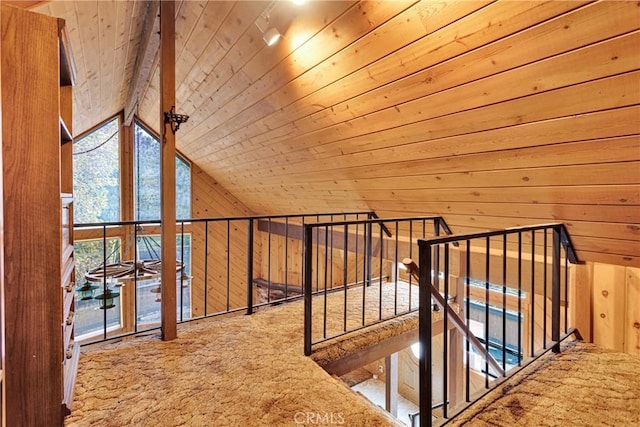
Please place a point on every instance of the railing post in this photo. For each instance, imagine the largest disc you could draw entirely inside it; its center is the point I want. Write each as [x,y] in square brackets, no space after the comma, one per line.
[368,231]
[250,267]
[555,290]
[307,291]
[424,334]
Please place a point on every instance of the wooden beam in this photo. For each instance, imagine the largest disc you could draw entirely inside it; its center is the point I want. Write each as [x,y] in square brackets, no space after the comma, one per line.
[391,384]
[168,169]
[361,358]
[145,58]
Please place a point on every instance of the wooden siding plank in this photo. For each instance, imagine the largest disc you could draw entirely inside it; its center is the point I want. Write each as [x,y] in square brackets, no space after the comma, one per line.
[632,312]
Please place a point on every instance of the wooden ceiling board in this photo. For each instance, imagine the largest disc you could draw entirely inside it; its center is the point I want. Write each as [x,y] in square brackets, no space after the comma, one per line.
[436,103]
[621,91]
[104,38]
[426,52]
[491,113]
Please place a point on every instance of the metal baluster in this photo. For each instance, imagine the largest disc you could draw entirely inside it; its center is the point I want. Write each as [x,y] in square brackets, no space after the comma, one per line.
[504,303]
[533,291]
[380,274]
[486,308]
[308,288]
[411,256]
[135,279]
[228,264]
[395,268]
[286,257]
[250,267]
[326,266]
[183,272]
[467,283]
[544,291]
[345,276]
[425,336]
[268,261]
[206,265]
[555,291]
[445,331]
[520,344]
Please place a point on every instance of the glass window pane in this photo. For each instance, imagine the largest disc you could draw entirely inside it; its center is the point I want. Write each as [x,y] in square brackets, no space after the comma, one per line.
[96,175]
[90,318]
[148,296]
[147,179]
[146,172]
[183,189]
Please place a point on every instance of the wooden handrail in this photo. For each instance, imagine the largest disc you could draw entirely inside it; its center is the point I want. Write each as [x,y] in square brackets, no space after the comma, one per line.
[414,270]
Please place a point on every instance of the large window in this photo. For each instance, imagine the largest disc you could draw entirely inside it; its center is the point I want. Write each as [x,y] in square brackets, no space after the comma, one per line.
[147,178]
[96,175]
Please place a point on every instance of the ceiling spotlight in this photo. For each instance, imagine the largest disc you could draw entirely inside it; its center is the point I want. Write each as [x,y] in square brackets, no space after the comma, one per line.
[298,2]
[271,36]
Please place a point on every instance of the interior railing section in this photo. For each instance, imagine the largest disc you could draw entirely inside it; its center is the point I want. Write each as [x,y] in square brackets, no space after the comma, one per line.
[511,288]
[354,277]
[231,265]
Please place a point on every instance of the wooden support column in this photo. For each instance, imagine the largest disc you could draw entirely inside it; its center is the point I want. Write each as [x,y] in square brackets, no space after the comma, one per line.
[168,169]
[391,384]
[581,299]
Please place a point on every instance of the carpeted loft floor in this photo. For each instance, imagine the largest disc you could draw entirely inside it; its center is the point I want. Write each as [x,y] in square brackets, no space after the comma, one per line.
[584,385]
[237,371]
[251,371]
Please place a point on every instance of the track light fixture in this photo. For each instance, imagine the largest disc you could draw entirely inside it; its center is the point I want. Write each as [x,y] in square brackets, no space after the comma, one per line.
[270,34]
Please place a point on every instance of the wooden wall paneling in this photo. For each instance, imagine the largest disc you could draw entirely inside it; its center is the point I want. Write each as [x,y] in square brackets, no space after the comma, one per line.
[621,89]
[483,92]
[632,312]
[200,50]
[414,57]
[89,30]
[122,65]
[490,60]
[33,350]
[580,299]
[107,36]
[622,172]
[403,28]
[388,161]
[236,22]
[348,27]
[548,213]
[609,305]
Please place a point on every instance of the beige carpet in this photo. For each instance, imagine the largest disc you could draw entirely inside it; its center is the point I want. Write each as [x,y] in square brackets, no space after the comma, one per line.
[239,371]
[584,385]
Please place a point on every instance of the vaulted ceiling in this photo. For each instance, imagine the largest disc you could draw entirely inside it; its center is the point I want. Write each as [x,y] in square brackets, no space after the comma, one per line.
[490,113]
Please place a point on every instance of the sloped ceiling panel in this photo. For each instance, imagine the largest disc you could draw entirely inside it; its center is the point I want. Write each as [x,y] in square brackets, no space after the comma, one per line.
[490,113]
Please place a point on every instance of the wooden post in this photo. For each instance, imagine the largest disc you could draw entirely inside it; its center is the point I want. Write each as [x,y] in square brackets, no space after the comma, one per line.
[581,299]
[391,384]
[168,169]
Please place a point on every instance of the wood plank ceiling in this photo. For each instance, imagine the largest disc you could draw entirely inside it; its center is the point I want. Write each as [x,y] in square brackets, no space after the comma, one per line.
[490,113]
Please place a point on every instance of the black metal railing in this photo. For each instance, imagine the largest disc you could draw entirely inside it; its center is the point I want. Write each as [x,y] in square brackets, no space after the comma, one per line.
[356,268]
[509,289]
[230,265]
